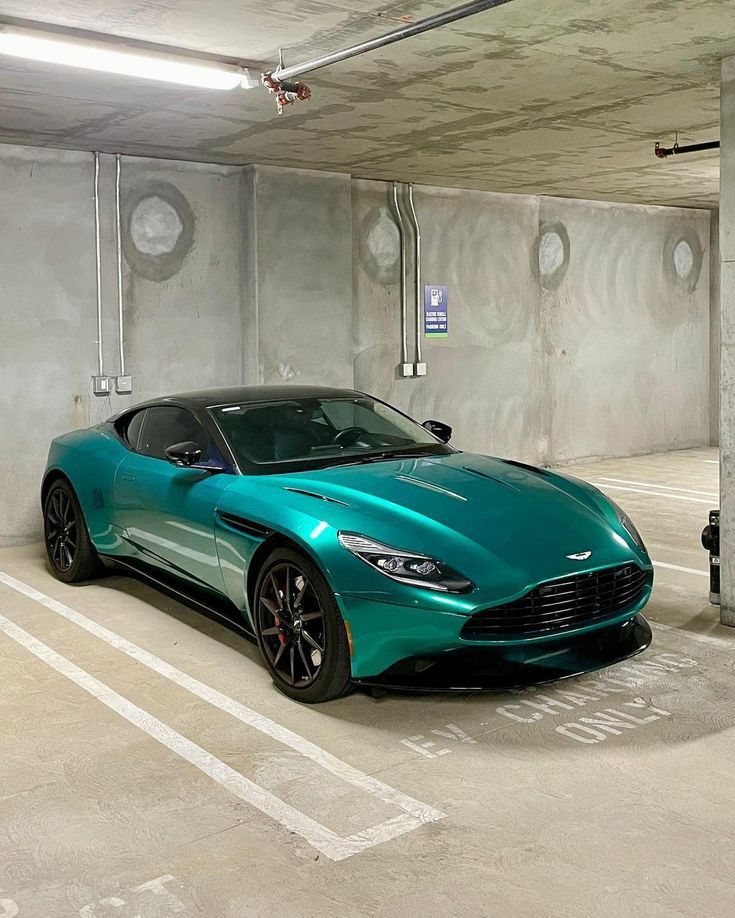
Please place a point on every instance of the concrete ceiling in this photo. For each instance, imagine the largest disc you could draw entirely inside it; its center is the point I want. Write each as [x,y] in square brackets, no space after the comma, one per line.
[560,97]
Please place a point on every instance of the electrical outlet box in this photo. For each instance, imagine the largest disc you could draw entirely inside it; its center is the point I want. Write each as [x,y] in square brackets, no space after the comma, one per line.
[405,369]
[124,385]
[101,385]
[420,369]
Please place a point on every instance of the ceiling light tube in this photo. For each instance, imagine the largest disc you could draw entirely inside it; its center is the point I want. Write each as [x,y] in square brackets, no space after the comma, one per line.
[123,60]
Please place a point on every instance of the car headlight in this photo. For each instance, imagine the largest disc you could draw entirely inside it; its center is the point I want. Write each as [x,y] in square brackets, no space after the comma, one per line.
[406,566]
[628,525]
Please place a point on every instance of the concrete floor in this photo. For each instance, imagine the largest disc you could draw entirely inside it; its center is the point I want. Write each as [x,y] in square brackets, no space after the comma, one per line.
[143,792]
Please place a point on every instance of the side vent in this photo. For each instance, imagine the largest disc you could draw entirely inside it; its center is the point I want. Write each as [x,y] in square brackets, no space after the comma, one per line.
[256,530]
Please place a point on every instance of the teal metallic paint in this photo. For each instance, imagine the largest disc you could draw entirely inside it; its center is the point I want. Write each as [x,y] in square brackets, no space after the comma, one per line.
[505,527]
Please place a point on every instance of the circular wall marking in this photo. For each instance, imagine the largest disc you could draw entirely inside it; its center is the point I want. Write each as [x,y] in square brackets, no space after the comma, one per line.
[683,259]
[550,253]
[380,245]
[383,241]
[155,226]
[158,230]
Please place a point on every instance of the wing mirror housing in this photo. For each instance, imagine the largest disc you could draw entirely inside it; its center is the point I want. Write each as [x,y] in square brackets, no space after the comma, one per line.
[187,453]
[442,432]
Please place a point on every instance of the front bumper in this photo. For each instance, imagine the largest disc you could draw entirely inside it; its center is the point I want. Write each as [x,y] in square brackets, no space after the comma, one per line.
[387,640]
[501,667]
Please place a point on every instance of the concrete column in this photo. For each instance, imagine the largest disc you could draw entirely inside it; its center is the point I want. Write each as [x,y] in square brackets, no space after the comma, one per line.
[727,352]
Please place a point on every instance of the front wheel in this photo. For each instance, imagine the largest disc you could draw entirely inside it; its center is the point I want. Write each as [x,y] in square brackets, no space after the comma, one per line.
[68,546]
[300,630]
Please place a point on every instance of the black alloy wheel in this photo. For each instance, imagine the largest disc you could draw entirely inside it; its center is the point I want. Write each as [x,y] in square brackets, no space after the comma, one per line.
[300,630]
[68,546]
[61,530]
[292,625]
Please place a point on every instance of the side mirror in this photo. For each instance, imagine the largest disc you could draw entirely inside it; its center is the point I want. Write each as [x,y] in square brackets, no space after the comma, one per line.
[441,431]
[187,453]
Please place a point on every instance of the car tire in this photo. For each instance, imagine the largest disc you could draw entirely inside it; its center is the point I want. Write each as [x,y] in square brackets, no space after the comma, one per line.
[300,630]
[69,549]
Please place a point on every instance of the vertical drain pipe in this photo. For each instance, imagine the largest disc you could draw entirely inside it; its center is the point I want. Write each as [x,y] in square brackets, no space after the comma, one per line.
[100,382]
[123,383]
[405,368]
[420,366]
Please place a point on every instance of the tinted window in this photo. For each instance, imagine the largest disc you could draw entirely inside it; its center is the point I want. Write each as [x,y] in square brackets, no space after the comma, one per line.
[166,425]
[312,431]
[131,428]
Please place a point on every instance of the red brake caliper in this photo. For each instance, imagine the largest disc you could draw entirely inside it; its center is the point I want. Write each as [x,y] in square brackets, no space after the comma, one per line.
[281,635]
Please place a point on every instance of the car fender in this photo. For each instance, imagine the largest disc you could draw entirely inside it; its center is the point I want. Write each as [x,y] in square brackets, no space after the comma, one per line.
[89,460]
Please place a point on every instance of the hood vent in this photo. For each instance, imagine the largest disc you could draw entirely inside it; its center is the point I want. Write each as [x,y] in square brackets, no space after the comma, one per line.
[524,465]
[331,500]
[489,477]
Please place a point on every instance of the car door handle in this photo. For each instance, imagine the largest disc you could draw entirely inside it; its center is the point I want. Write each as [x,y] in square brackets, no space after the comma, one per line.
[126,476]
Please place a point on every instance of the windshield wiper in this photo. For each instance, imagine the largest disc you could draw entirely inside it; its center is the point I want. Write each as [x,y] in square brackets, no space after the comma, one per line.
[381,457]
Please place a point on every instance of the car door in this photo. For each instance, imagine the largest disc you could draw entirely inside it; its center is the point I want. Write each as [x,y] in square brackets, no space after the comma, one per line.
[166,511]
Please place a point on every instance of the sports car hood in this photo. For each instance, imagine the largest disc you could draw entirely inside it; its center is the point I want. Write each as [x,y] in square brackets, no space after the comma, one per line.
[478,514]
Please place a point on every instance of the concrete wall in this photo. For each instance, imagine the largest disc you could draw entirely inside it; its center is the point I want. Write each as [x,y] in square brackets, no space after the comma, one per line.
[300,274]
[604,353]
[270,275]
[183,320]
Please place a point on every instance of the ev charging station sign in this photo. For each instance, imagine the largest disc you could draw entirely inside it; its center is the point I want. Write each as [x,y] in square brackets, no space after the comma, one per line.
[436,300]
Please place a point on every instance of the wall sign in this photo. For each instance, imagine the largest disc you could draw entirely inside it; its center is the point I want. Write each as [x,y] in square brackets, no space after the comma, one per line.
[436,300]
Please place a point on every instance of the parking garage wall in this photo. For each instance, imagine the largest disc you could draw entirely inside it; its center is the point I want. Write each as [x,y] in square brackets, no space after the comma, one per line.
[576,328]
[183,298]
[297,240]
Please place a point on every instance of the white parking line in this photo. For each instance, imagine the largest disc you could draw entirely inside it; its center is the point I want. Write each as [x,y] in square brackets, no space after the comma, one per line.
[684,570]
[710,639]
[415,813]
[648,484]
[611,487]
[322,839]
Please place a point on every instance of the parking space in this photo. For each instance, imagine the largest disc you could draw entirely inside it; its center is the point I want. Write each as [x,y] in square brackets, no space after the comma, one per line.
[148,767]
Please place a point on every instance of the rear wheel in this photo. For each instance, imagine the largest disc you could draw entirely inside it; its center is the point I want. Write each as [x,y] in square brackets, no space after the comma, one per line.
[300,630]
[69,549]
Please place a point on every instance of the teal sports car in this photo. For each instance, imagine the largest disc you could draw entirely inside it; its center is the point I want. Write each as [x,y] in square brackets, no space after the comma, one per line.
[353,543]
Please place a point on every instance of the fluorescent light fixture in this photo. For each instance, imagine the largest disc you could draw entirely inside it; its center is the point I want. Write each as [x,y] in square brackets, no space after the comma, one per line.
[120,59]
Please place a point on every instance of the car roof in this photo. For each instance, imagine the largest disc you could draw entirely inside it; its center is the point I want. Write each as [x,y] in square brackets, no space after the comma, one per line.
[237,395]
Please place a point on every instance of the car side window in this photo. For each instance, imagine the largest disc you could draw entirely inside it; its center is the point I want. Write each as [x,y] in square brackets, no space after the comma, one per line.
[165,425]
[131,428]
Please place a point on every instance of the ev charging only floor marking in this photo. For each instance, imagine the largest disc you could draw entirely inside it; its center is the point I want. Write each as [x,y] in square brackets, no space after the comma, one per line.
[336,847]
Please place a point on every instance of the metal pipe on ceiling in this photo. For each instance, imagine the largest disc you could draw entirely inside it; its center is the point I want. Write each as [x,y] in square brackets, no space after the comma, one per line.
[405,369]
[419,366]
[399,34]
[677,149]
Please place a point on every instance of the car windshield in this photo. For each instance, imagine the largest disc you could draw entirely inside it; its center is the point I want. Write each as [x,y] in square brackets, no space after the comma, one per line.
[308,433]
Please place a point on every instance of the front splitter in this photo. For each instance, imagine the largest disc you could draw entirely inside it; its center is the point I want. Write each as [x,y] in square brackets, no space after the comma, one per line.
[499,668]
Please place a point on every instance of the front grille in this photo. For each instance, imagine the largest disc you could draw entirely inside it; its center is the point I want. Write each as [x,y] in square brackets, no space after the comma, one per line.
[561,605]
